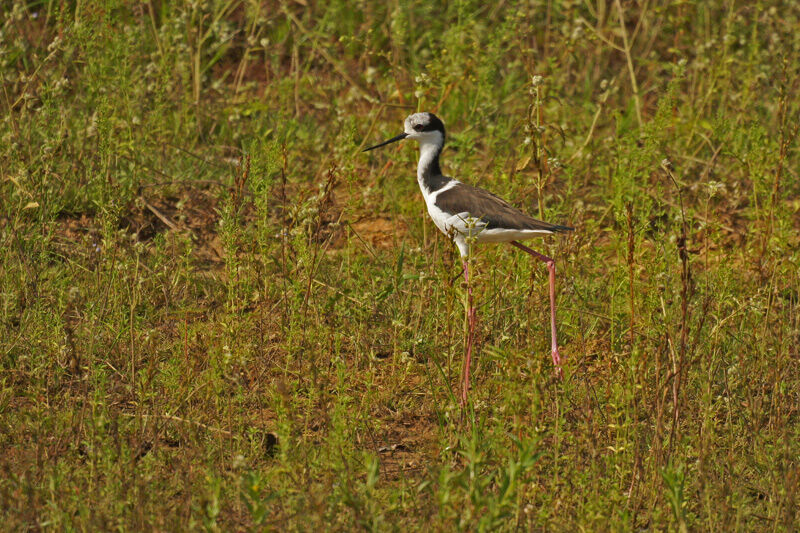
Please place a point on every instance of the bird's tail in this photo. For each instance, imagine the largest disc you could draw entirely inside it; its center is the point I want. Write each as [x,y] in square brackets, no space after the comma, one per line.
[556,228]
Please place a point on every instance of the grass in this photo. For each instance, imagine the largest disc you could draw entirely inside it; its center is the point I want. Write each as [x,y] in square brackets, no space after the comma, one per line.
[216,313]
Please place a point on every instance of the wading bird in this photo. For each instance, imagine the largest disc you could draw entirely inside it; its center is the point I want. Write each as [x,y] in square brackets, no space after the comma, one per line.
[468,214]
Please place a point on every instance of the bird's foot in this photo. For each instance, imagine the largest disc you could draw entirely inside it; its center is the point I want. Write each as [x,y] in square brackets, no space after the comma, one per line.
[557,363]
[556,357]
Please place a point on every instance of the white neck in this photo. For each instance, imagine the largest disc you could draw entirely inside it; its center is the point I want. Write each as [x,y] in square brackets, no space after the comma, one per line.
[428,160]
[427,151]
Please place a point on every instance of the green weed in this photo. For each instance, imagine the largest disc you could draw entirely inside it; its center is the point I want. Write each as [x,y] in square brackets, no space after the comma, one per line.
[217,314]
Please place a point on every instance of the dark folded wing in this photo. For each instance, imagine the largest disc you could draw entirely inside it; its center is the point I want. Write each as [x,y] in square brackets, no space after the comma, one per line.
[493,210]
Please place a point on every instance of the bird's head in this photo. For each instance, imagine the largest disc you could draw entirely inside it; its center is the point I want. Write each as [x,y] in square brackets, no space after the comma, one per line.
[425,127]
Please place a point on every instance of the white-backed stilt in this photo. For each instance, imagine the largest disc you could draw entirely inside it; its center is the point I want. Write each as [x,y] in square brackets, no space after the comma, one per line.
[468,214]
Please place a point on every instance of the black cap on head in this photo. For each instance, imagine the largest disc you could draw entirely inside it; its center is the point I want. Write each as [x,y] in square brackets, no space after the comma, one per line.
[434,124]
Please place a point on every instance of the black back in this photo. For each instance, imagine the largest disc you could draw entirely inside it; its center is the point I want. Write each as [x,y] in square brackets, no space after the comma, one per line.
[493,210]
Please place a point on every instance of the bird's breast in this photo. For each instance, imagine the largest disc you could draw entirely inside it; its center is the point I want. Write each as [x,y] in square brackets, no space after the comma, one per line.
[439,217]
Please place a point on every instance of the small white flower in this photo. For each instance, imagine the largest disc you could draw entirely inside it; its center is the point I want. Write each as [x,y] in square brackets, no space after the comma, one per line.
[54,44]
[239,461]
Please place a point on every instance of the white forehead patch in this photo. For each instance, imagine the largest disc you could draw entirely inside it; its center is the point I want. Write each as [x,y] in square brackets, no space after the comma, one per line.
[417,118]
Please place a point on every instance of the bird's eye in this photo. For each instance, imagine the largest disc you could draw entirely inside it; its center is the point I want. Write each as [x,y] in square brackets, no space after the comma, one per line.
[418,127]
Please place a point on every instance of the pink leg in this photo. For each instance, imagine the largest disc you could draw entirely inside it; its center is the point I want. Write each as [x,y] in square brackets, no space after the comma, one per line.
[470,311]
[551,266]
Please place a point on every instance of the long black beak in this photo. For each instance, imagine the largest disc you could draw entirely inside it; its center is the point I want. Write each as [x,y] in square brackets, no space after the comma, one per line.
[384,143]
